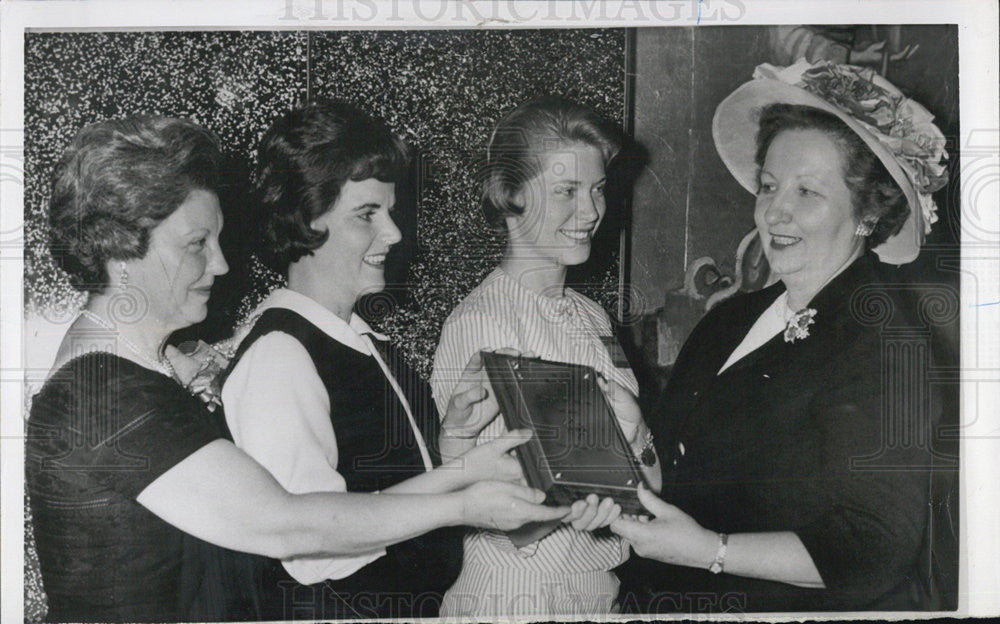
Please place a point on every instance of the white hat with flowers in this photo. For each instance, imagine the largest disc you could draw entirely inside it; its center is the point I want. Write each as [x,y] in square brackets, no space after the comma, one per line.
[898,130]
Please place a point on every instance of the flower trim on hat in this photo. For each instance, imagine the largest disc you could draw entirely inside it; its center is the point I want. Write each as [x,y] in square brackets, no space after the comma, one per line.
[900,124]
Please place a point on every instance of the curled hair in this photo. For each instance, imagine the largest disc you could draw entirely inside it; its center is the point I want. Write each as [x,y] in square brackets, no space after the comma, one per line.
[514,153]
[304,160]
[874,194]
[116,181]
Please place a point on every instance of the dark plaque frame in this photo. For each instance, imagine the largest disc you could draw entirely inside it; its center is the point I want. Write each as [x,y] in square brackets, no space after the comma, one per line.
[577,448]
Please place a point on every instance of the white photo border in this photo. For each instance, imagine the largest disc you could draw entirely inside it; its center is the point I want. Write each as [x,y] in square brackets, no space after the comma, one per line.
[980,139]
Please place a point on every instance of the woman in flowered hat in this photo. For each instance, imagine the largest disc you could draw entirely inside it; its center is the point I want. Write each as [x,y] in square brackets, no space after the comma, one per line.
[785,487]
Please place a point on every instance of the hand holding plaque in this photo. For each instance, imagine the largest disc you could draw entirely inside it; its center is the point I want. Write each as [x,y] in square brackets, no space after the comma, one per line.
[578,447]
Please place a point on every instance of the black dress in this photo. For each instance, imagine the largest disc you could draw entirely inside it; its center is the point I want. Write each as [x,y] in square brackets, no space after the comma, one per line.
[376,449]
[101,430]
[826,436]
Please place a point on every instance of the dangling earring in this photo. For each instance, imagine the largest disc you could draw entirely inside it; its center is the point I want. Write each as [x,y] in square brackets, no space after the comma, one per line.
[123,279]
[866,227]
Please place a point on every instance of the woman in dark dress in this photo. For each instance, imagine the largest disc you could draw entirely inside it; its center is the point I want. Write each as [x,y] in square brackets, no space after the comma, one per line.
[786,486]
[124,467]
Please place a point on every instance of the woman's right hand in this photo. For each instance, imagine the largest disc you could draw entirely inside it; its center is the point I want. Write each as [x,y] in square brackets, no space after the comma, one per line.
[505,506]
[671,536]
[472,405]
[491,461]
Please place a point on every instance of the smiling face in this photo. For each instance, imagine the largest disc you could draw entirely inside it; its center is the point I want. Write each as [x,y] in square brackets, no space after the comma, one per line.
[563,207]
[182,262]
[361,231]
[804,211]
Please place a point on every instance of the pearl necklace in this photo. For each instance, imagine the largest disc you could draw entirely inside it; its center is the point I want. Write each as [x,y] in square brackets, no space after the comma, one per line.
[162,365]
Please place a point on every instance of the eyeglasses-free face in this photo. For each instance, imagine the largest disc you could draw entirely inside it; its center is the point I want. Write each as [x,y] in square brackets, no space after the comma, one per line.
[804,210]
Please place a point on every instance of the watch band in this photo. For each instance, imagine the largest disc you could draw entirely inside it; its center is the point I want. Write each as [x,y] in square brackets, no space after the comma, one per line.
[720,555]
[647,454]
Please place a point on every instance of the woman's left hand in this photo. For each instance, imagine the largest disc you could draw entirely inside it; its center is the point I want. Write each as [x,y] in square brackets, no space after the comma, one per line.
[626,409]
[592,513]
[185,366]
[671,536]
[633,425]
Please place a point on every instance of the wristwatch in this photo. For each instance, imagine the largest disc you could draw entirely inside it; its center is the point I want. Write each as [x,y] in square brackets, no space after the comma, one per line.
[720,555]
[647,454]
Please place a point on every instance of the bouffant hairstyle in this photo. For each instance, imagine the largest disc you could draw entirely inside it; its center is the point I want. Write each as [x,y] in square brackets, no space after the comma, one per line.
[514,153]
[115,182]
[874,194]
[304,160]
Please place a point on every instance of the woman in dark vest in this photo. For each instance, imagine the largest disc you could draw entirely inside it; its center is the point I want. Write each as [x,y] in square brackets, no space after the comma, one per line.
[319,398]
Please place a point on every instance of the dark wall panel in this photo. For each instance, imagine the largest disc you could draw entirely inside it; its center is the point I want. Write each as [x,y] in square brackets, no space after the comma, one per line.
[721,210]
[664,85]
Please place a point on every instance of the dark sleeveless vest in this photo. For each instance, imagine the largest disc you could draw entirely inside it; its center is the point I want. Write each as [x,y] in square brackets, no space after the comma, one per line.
[376,449]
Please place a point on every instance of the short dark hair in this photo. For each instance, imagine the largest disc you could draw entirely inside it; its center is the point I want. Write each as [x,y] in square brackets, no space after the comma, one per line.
[116,181]
[874,194]
[304,160]
[513,155]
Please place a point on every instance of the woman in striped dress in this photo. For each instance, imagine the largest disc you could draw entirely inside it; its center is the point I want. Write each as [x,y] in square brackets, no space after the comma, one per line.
[544,185]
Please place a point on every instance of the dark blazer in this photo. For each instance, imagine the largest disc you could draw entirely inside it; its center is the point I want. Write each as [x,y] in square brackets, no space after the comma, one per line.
[825,436]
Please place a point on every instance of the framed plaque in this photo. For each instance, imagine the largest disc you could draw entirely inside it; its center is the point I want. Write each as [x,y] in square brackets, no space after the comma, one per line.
[578,447]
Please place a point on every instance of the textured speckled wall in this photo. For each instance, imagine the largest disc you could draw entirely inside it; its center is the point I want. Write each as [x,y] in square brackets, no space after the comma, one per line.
[444,91]
[441,90]
[231,82]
